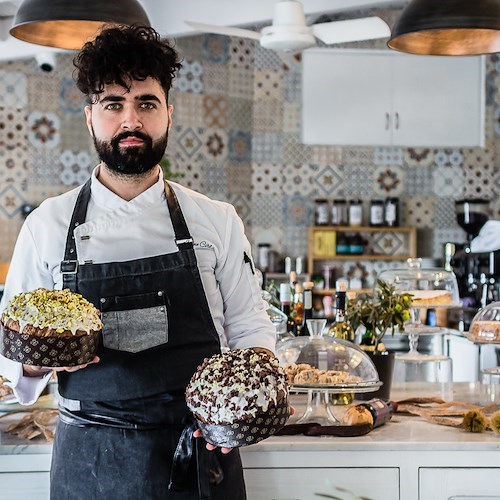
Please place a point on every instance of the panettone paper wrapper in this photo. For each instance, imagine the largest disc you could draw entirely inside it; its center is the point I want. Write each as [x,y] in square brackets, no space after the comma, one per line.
[247,432]
[51,352]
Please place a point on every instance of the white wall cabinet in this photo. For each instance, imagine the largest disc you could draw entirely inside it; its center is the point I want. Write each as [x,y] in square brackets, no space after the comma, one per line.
[380,97]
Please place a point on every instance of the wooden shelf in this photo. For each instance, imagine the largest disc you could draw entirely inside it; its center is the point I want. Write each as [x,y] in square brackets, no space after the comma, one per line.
[361,256]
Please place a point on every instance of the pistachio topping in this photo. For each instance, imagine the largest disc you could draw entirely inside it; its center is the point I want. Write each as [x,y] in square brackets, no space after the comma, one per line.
[59,310]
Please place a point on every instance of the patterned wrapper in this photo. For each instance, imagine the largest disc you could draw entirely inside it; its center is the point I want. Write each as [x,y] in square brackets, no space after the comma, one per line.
[48,351]
[247,432]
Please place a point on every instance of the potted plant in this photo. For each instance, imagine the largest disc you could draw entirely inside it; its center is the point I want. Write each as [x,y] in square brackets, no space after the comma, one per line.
[386,310]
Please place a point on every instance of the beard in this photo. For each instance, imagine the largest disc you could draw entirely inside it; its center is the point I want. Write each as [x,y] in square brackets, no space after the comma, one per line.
[131,160]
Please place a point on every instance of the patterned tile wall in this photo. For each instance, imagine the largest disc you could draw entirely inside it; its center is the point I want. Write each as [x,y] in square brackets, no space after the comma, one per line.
[236,137]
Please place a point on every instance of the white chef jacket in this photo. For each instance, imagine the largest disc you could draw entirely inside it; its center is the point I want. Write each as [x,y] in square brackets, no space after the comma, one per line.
[117,230]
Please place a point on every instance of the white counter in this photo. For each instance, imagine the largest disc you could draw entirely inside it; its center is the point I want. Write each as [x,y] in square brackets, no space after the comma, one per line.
[405,459]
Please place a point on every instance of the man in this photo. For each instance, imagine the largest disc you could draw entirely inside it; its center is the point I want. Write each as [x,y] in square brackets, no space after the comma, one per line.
[170,271]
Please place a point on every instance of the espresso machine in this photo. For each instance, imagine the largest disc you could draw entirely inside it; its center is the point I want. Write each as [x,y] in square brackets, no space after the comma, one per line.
[477,269]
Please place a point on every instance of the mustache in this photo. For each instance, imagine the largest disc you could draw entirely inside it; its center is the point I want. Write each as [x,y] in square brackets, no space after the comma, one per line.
[124,135]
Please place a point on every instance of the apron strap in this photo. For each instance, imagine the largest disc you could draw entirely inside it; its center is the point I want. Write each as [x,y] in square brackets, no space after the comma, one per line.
[69,266]
[183,238]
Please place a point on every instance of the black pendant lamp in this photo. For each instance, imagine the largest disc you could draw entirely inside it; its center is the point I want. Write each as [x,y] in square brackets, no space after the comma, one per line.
[68,24]
[448,27]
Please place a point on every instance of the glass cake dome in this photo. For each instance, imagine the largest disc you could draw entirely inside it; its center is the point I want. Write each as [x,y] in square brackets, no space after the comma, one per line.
[485,327]
[430,287]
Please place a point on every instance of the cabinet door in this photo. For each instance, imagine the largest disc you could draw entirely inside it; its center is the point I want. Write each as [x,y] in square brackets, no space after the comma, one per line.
[346,98]
[313,483]
[438,101]
[456,483]
[24,485]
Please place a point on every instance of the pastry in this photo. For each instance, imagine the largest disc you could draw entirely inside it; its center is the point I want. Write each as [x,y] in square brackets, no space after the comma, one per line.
[485,331]
[430,298]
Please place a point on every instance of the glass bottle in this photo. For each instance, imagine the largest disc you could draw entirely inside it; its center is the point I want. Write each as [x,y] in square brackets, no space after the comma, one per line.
[341,328]
[380,410]
[376,213]
[285,306]
[355,213]
[321,215]
[392,212]
[298,308]
[339,213]
[342,247]
[308,306]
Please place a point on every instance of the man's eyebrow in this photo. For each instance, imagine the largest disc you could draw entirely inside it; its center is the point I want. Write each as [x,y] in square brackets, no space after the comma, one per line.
[112,98]
[148,97]
[119,98]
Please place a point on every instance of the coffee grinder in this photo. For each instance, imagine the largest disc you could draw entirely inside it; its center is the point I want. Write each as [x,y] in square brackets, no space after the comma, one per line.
[476,272]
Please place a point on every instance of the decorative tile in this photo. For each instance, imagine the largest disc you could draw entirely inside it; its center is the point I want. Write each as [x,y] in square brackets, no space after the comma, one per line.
[215,48]
[188,141]
[267,84]
[496,120]
[268,115]
[241,53]
[359,180]
[190,47]
[13,90]
[10,231]
[74,133]
[326,155]
[71,99]
[45,168]
[214,178]
[298,178]
[388,156]
[388,180]
[187,108]
[388,243]
[215,79]
[240,83]
[419,211]
[240,146]
[292,86]
[444,212]
[44,92]
[292,119]
[191,171]
[43,129]
[215,142]
[14,168]
[448,181]
[267,179]
[358,156]
[190,77]
[446,235]
[267,211]
[266,58]
[328,180]
[266,147]
[293,150]
[418,180]
[421,157]
[240,114]
[215,111]
[448,157]
[298,211]
[13,128]
[76,167]
[11,201]
[241,203]
[479,166]
[239,178]
[294,242]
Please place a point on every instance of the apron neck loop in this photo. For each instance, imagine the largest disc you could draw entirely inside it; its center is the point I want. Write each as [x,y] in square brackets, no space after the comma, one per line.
[183,238]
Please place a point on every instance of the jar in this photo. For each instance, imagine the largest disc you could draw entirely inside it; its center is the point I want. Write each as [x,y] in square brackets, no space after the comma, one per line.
[376,213]
[264,251]
[392,212]
[321,217]
[356,213]
[339,213]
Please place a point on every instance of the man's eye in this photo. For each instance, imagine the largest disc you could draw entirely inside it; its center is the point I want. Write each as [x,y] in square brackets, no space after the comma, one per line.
[147,105]
[113,106]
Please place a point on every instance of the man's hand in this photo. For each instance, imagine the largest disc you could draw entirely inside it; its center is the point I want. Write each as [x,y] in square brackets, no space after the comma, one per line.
[38,371]
[197,434]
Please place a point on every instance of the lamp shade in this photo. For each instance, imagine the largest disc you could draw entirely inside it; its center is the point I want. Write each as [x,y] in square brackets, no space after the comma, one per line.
[68,24]
[448,27]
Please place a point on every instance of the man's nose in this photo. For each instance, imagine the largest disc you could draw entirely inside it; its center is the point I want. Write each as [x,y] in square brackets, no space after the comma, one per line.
[131,120]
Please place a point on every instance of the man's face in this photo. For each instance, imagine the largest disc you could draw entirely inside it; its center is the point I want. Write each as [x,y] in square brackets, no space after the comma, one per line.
[130,129]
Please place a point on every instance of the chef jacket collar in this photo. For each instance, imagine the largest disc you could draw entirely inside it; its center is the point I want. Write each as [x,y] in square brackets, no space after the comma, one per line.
[106,199]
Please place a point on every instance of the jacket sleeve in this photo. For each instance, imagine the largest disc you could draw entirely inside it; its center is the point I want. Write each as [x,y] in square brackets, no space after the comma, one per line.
[246,323]
[26,272]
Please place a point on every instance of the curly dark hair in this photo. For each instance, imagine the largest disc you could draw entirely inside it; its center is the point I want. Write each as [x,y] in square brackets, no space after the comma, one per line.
[121,54]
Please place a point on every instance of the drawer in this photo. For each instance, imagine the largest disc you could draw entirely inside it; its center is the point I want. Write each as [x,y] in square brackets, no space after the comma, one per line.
[24,485]
[455,483]
[375,483]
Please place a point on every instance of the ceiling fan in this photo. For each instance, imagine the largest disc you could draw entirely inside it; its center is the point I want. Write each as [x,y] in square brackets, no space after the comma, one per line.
[290,33]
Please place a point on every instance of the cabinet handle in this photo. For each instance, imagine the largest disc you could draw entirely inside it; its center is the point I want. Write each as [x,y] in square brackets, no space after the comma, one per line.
[397,120]
[387,121]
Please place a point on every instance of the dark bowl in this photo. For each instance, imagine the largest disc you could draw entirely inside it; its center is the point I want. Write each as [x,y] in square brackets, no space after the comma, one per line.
[247,432]
[48,351]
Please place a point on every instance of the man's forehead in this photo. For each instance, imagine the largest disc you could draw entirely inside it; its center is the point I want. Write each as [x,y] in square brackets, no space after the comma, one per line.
[137,88]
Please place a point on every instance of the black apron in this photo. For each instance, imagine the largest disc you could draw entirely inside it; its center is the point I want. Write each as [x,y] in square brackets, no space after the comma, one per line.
[124,430]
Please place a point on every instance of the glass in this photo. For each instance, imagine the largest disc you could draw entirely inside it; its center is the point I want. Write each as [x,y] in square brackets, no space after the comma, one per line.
[485,327]
[278,318]
[490,385]
[336,366]
[316,327]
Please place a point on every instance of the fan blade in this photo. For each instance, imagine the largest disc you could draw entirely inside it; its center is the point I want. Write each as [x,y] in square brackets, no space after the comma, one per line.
[223,30]
[351,30]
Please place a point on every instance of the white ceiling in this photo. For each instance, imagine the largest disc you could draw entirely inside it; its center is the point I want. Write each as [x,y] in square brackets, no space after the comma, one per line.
[168,17]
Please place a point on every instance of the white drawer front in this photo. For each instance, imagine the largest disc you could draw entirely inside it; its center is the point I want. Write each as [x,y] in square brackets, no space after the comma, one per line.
[459,484]
[305,483]
[24,485]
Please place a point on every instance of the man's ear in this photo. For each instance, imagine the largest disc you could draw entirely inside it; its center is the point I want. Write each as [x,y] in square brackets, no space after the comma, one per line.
[170,110]
[88,116]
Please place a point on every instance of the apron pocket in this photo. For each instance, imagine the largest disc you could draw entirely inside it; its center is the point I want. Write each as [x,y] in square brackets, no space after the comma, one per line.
[129,328]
